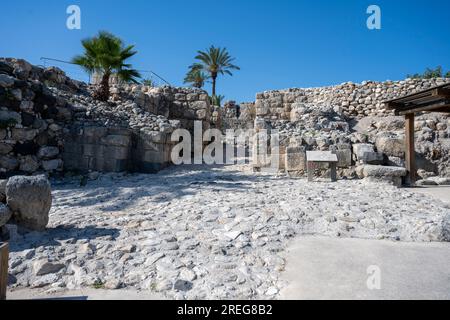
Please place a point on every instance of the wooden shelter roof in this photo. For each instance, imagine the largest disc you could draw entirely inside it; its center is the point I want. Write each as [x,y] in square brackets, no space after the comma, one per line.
[436,99]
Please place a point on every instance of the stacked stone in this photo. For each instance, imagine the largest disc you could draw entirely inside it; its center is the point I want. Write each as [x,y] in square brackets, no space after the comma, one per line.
[46,118]
[319,119]
[234,116]
[432,140]
[184,104]
[355,100]
[31,117]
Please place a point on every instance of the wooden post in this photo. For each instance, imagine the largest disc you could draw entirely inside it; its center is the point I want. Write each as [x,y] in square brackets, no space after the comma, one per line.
[4,253]
[410,152]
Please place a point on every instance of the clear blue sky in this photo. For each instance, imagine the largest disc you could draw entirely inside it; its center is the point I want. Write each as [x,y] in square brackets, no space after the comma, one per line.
[278,44]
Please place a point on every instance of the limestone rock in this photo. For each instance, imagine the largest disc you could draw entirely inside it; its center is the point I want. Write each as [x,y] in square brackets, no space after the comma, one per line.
[375,158]
[360,148]
[48,152]
[391,145]
[6,81]
[8,163]
[29,164]
[30,200]
[43,267]
[380,171]
[5,214]
[51,165]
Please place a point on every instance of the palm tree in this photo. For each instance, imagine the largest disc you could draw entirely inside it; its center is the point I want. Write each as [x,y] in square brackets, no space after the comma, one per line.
[106,55]
[217,100]
[214,61]
[196,78]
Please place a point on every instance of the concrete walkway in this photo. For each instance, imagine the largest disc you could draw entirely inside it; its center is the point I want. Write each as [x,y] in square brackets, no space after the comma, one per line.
[325,268]
[440,192]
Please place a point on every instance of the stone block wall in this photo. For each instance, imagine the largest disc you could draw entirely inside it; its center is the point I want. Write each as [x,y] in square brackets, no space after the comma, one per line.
[32,119]
[50,123]
[234,116]
[184,104]
[95,148]
[353,100]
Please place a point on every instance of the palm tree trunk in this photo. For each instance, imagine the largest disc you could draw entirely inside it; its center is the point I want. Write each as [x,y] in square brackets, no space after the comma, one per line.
[102,93]
[214,77]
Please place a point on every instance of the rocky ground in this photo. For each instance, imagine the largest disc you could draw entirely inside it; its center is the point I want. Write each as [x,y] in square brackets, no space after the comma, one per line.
[205,232]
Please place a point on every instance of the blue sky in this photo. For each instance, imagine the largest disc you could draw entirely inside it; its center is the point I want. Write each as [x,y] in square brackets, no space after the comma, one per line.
[278,44]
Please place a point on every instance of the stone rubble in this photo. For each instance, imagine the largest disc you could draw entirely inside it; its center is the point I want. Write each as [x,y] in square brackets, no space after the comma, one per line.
[42,109]
[196,232]
[199,232]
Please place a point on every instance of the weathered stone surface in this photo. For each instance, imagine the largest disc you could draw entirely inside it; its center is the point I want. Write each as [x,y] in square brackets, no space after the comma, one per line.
[5,214]
[391,145]
[5,148]
[30,200]
[442,181]
[48,152]
[97,244]
[43,267]
[375,158]
[344,155]
[10,115]
[6,81]
[117,140]
[50,165]
[360,148]
[23,134]
[381,171]
[426,183]
[29,164]
[295,159]
[8,163]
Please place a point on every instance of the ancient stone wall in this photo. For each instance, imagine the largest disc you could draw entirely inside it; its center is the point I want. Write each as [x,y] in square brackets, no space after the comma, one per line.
[353,100]
[234,116]
[184,104]
[50,123]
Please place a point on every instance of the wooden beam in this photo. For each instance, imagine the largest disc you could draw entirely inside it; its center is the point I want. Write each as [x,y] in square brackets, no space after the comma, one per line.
[426,108]
[412,96]
[410,152]
[4,253]
[441,92]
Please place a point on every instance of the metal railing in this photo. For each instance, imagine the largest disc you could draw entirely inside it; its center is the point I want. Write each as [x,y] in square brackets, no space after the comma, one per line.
[76,72]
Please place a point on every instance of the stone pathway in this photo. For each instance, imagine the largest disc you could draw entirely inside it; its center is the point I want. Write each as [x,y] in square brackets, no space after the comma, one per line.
[198,232]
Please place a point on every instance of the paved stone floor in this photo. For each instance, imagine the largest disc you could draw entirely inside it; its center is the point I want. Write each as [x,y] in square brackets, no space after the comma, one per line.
[201,232]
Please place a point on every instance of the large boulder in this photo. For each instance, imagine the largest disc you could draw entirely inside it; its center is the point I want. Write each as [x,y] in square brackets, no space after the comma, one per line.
[30,200]
[391,144]
[382,173]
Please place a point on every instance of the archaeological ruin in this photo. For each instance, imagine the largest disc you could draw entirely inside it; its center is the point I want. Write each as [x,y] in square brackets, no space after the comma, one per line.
[89,195]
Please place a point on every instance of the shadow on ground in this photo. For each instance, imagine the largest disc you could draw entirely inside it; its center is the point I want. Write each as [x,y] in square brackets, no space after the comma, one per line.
[172,183]
[57,237]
